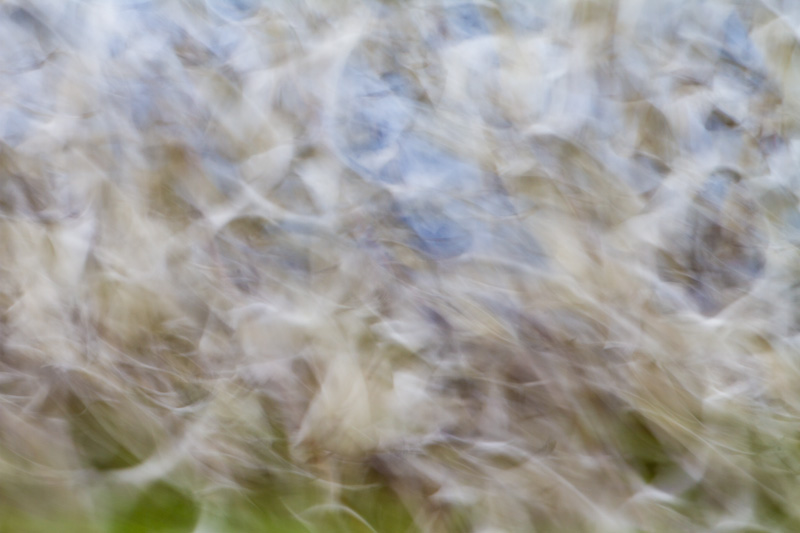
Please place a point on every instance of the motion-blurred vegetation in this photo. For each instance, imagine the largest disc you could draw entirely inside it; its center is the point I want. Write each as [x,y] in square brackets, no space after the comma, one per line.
[443,266]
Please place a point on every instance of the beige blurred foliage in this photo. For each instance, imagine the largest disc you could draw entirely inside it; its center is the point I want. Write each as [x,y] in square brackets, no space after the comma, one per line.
[531,266]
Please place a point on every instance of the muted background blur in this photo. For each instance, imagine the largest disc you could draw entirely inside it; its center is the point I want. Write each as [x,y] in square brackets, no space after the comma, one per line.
[361,265]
